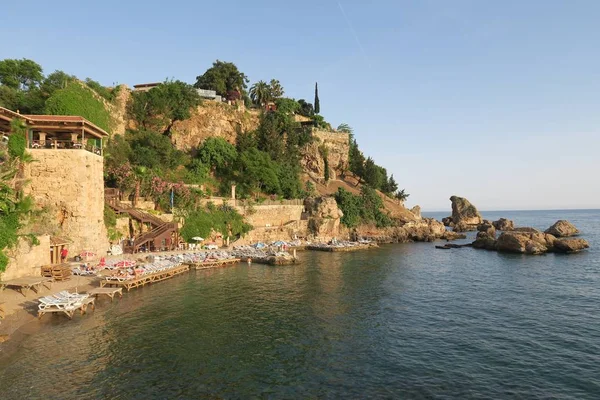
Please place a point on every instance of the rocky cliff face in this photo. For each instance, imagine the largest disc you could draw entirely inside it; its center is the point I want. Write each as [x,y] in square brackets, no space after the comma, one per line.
[323,216]
[337,144]
[213,119]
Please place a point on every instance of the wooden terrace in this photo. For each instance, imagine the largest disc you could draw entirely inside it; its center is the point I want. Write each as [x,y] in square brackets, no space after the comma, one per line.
[56,132]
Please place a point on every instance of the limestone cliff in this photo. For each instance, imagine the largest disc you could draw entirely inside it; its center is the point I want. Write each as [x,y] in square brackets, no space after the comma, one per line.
[213,119]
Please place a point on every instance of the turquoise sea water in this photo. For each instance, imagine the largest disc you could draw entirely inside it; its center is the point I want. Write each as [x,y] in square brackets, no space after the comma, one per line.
[403,321]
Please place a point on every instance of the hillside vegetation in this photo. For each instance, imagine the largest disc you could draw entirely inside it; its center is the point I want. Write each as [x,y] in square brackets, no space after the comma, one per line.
[261,162]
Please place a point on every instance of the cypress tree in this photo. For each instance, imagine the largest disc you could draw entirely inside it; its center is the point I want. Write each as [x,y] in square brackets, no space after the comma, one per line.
[317,105]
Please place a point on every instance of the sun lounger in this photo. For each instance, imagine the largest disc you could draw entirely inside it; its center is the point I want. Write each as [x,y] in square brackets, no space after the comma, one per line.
[65,302]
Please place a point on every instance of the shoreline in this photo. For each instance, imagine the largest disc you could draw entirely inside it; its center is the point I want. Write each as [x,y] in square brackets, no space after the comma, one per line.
[21,310]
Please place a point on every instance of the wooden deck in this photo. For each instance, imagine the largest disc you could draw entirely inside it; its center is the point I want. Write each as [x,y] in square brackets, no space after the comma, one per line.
[107,291]
[214,264]
[145,279]
[30,283]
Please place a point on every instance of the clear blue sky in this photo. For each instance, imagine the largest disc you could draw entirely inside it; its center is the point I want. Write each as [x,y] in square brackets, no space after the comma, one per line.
[495,101]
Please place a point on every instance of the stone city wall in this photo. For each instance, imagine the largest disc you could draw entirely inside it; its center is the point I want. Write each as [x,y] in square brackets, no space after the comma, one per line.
[70,184]
[271,215]
[26,259]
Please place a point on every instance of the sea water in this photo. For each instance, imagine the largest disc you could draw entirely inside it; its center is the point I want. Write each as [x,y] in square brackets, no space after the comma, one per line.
[402,321]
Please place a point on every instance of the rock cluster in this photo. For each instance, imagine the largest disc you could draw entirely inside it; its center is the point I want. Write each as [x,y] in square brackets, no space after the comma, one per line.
[526,240]
[465,216]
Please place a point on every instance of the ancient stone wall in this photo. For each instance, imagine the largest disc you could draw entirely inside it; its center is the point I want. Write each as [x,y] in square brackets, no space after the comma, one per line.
[70,184]
[271,215]
[337,144]
[26,259]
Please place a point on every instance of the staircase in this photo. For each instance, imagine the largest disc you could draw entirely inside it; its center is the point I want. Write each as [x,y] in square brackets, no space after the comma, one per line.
[152,240]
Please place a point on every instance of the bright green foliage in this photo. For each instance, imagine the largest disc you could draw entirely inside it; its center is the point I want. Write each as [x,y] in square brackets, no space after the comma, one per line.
[276,89]
[14,207]
[103,91]
[154,150]
[287,105]
[17,141]
[9,98]
[20,74]
[160,107]
[356,159]
[291,187]
[222,77]
[364,209]
[401,195]
[351,207]
[306,109]
[258,172]
[260,93]
[56,81]
[345,128]
[223,219]
[317,102]
[390,186]
[319,122]
[217,153]
[77,99]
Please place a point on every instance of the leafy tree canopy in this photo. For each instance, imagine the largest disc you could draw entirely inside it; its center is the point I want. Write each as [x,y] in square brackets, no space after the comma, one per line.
[20,74]
[222,77]
[160,107]
[217,153]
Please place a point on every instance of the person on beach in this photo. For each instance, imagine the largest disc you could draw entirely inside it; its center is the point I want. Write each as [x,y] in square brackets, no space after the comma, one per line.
[63,254]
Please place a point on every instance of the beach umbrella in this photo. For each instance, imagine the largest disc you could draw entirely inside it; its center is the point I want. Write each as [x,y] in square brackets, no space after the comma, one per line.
[280,243]
[197,238]
[260,245]
[125,264]
[87,254]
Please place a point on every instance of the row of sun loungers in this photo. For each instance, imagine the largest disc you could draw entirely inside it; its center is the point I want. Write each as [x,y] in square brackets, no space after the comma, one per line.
[64,302]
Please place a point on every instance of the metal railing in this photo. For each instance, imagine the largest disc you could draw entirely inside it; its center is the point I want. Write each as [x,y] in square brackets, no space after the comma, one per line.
[53,144]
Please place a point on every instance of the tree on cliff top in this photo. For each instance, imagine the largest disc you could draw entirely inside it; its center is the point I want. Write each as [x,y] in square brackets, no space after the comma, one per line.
[345,128]
[222,77]
[260,93]
[317,103]
[20,74]
[160,107]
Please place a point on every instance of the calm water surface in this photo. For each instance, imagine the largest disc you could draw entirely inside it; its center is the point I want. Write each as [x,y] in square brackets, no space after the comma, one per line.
[404,321]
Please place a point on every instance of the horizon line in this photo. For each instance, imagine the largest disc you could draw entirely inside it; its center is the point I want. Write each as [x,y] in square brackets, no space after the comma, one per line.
[523,209]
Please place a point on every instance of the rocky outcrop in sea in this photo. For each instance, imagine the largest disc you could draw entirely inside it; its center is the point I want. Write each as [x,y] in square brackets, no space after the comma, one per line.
[527,240]
[465,216]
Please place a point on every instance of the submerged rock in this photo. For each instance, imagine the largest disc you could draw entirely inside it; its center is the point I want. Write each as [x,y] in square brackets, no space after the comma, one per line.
[504,224]
[570,245]
[465,216]
[562,228]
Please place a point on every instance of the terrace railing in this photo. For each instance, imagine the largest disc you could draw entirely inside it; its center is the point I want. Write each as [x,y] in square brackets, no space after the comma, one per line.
[52,144]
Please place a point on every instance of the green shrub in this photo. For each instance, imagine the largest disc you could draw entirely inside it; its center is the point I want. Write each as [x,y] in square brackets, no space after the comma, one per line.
[76,99]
